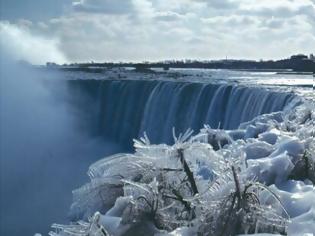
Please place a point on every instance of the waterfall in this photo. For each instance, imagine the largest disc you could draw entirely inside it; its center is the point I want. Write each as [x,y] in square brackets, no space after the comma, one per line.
[121,110]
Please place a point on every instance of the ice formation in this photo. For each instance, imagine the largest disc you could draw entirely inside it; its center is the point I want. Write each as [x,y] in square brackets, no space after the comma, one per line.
[256,179]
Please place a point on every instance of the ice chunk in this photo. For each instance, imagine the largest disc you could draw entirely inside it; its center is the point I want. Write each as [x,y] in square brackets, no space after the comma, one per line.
[270,137]
[270,170]
[258,150]
[292,147]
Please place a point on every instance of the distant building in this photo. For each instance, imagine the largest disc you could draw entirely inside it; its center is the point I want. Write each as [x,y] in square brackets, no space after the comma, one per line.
[166,67]
[51,64]
[299,57]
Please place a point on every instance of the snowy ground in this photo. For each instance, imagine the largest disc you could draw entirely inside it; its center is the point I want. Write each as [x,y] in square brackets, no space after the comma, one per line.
[300,84]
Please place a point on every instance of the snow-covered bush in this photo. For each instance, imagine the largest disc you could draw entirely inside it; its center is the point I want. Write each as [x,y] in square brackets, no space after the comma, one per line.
[214,183]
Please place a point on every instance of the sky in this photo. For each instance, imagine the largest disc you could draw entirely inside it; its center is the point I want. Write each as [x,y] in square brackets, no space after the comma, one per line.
[150,30]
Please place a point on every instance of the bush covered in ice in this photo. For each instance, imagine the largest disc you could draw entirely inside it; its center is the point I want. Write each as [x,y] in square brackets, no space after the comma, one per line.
[258,179]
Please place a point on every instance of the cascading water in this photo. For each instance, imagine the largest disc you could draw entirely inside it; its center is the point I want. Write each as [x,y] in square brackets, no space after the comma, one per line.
[123,110]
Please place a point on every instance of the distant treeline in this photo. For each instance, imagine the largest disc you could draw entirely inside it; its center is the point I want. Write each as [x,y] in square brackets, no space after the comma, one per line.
[296,63]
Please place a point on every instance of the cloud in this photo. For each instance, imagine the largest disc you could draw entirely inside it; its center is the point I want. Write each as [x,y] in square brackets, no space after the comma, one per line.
[273,23]
[167,16]
[104,6]
[105,30]
[279,9]
[159,29]
[221,4]
[19,43]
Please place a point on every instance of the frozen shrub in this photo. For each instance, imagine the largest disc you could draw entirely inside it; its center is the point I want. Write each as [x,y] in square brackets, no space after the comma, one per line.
[304,168]
[208,184]
[91,228]
[241,211]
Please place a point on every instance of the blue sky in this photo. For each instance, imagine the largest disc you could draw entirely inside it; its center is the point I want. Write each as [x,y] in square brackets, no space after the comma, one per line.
[137,30]
[34,10]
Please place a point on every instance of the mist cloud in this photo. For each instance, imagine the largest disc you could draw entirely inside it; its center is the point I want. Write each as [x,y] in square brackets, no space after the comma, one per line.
[43,153]
[18,43]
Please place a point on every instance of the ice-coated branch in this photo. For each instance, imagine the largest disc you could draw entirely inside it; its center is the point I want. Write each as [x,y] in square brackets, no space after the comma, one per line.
[188,172]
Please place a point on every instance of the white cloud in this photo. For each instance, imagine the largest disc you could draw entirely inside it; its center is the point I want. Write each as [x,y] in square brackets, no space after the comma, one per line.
[105,30]
[222,4]
[104,6]
[18,43]
[167,16]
